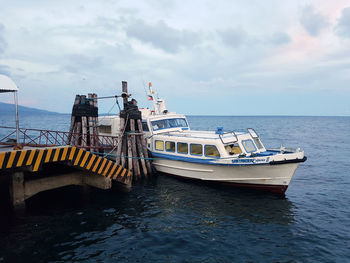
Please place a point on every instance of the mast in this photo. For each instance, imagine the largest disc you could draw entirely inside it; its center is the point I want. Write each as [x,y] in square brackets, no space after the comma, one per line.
[155,102]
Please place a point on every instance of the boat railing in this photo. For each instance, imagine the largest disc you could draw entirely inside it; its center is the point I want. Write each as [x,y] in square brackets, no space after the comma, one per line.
[47,138]
[253,133]
[228,139]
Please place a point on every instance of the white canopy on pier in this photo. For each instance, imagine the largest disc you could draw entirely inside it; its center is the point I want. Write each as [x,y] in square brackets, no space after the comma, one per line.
[7,84]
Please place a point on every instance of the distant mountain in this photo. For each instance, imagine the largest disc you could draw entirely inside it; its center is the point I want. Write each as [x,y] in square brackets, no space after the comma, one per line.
[6,108]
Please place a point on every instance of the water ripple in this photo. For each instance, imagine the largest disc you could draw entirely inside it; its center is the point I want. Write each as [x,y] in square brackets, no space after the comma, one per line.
[171,220]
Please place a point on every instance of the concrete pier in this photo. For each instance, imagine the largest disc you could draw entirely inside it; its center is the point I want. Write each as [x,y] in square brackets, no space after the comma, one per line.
[34,170]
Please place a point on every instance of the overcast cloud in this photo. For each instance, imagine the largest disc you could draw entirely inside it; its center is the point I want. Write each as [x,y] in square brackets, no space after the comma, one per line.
[280,38]
[343,26]
[234,37]
[2,39]
[204,57]
[160,35]
[312,21]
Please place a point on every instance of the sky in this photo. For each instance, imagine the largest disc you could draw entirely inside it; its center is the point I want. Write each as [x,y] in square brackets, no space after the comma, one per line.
[250,57]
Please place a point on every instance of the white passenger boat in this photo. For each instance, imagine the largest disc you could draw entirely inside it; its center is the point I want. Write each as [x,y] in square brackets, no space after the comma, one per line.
[230,158]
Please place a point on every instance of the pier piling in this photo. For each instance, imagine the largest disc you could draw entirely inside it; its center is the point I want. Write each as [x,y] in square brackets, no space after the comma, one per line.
[34,170]
[83,128]
[132,143]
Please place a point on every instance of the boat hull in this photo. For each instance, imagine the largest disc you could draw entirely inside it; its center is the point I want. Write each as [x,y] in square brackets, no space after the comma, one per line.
[272,178]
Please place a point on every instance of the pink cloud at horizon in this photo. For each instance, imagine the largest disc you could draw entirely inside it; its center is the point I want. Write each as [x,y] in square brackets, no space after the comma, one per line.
[305,48]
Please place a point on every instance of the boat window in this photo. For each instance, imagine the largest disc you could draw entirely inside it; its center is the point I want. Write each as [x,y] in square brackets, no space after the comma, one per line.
[182,147]
[159,145]
[169,123]
[196,149]
[211,150]
[105,129]
[170,146]
[258,143]
[249,146]
[144,126]
[233,149]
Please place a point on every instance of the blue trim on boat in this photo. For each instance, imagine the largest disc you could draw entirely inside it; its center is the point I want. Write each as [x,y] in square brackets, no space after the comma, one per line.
[199,155]
[177,148]
[267,153]
[170,151]
[235,162]
[205,145]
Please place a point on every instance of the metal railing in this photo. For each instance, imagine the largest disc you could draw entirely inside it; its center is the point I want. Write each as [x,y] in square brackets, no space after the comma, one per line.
[228,139]
[46,138]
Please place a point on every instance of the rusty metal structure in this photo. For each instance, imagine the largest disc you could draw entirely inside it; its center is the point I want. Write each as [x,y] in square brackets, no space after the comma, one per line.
[35,160]
[46,138]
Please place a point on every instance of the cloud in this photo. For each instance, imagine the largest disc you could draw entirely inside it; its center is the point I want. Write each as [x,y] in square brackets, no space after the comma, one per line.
[3,43]
[161,35]
[234,37]
[238,37]
[280,38]
[313,22]
[263,50]
[5,70]
[343,26]
[79,63]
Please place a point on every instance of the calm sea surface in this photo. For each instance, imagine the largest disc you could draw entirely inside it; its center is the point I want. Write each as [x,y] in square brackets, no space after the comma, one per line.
[171,220]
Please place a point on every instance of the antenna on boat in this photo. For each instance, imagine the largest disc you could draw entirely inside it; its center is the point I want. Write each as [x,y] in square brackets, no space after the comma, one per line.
[151,97]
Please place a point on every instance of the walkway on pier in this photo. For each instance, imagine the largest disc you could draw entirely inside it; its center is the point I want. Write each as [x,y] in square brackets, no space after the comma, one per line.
[33,159]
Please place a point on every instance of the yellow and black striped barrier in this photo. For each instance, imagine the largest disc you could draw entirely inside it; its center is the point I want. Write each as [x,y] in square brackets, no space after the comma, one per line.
[72,156]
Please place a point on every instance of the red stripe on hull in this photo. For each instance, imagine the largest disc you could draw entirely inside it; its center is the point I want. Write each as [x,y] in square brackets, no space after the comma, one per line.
[276,189]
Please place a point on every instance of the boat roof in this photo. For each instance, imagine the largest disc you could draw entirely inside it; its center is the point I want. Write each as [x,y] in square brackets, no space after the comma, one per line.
[210,135]
[170,115]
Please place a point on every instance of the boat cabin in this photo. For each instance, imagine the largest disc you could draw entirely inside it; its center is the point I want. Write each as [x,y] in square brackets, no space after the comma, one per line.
[171,135]
[110,125]
[205,144]
[167,123]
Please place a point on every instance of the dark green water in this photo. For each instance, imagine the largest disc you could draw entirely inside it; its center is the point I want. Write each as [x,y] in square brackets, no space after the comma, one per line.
[172,220]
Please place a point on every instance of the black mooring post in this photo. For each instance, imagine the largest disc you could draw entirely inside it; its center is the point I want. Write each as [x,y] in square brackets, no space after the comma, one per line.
[125,93]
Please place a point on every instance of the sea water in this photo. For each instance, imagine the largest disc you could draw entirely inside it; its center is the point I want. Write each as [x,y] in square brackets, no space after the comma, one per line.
[171,220]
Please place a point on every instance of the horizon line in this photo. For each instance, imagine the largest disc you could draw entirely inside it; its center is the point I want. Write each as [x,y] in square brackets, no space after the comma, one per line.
[205,115]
